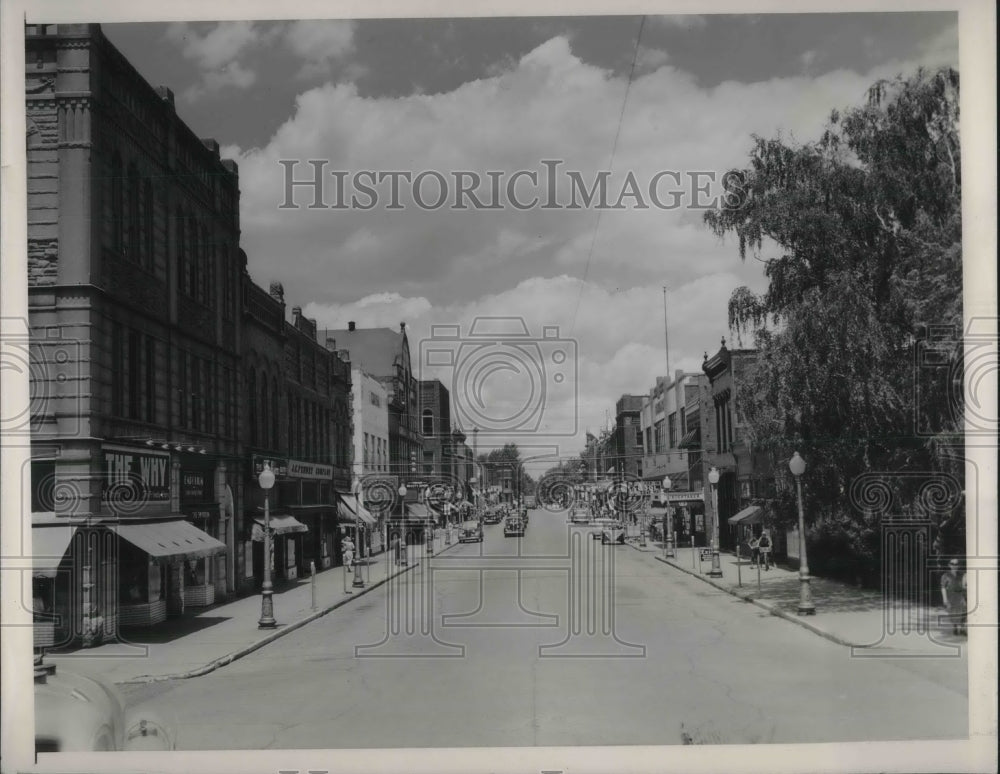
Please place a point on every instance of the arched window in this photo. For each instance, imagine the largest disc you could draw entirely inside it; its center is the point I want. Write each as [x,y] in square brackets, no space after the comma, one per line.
[252,405]
[428,419]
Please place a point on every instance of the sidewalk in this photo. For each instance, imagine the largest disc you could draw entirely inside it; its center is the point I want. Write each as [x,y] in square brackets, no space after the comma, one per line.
[215,636]
[861,619]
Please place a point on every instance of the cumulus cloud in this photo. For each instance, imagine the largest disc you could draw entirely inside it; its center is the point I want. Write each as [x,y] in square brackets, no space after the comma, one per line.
[598,279]
[320,43]
[217,51]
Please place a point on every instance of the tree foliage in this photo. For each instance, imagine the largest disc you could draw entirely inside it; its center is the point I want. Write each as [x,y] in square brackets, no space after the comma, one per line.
[860,233]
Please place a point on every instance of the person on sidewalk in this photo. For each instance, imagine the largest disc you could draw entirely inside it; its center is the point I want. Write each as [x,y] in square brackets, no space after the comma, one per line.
[394,547]
[754,545]
[764,547]
[347,550]
[953,596]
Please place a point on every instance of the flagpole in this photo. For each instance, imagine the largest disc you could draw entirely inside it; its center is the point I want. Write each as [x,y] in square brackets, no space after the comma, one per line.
[666,335]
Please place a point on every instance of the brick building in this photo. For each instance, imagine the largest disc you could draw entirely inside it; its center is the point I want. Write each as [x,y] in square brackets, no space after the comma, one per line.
[133,234]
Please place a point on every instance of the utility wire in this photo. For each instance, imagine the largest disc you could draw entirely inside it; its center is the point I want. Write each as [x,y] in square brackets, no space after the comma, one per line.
[611,166]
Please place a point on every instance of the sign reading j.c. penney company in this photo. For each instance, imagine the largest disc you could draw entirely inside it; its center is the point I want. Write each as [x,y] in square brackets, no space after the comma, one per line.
[302,469]
[135,476]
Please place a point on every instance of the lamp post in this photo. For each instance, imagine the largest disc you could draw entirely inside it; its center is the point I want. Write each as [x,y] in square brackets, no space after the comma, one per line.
[806,607]
[668,537]
[402,525]
[266,481]
[359,582]
[713,479]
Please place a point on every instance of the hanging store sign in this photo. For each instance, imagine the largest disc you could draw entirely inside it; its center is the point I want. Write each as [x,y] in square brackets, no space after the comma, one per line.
[301,469]
[196,486]
[132,477]
[279,466]
[680,497]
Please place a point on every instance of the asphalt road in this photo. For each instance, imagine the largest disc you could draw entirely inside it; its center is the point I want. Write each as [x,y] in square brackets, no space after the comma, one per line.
[554,639]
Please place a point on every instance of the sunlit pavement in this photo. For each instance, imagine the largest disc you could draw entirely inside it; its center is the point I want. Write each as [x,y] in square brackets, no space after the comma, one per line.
[521,642]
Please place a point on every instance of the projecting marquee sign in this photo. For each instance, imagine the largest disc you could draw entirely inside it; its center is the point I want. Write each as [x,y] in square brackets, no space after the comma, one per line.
[133,477]
[300,469]
[279,466]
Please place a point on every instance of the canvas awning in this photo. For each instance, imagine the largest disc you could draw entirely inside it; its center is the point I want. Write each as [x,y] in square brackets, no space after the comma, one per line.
[48,547]
[169,539]
[749,515]
[281,525]
[349,510]
[417,511]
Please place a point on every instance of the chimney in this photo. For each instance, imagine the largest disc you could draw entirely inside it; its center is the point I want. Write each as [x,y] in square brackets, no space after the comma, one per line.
[278,292]
[165,94]
[350,326]
[402,327]
[331,344]
[296,313]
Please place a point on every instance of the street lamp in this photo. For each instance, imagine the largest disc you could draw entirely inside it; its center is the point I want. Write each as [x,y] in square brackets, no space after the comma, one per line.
[713,479]
[806,607]
[668,537]
[266,481]
[402,525]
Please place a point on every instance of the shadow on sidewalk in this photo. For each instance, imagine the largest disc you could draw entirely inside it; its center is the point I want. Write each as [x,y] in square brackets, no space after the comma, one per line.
[171,629]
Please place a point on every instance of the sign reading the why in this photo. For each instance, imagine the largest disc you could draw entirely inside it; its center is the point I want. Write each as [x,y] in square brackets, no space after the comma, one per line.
[132,477]
[300,469]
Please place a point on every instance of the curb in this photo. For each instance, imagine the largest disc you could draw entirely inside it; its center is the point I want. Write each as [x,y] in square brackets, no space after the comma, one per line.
[768,606]
[229,658]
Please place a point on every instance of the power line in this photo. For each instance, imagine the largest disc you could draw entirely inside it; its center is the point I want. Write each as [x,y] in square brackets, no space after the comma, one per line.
[611,166]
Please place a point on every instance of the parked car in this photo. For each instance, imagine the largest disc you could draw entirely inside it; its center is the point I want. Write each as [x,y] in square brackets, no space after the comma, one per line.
[470,532]
[513,527]
[76,712]
[613,533]
[493,517]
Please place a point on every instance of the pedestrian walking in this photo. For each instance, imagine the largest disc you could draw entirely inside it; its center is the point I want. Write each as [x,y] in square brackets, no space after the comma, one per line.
[953,589]
[347,550]
[754,544]
[394,547]
[764,547]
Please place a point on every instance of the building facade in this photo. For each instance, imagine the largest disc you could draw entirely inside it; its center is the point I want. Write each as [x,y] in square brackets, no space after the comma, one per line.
[438,456]
[370,406]
[746,481]
[627,440]
[133,234]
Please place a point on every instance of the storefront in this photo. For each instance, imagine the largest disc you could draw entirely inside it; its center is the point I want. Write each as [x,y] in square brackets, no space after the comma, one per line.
[356,521]
[687,510]
[198,503]
[158,568]
[51,580]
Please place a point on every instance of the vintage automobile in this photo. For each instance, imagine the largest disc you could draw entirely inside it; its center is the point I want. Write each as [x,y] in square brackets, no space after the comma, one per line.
[470,532]
[76,712]
[513,527]
[613,532]
[492,516]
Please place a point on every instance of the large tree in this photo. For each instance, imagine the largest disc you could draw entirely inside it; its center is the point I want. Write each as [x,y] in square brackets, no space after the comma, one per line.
[860,234]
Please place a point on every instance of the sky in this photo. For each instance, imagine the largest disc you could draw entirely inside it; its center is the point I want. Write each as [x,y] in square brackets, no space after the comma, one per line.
[632,96]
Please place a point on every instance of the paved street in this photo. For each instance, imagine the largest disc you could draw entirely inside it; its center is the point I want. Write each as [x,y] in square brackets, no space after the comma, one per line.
[485,646]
